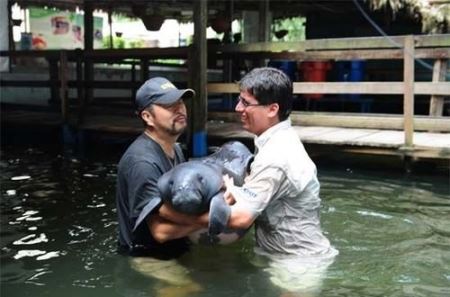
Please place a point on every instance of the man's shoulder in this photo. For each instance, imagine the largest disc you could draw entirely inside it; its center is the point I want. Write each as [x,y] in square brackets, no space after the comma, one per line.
[140,151]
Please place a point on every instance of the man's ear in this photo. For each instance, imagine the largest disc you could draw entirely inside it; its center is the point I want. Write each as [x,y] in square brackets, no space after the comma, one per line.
[273,110]
[147,117]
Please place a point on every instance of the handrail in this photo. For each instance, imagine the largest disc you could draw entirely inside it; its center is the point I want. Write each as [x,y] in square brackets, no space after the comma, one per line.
[399,47]
[436,47]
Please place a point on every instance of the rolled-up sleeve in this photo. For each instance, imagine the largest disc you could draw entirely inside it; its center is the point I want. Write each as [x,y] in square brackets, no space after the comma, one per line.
[259,188]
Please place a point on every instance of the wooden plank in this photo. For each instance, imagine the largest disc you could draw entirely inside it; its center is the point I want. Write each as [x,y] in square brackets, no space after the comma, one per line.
[383,139]
[439,74]
[436,88]
[219,88]
[393,88]
[369,121]
[341,55]
[352,120]
[408,97]
[393,42]
[227,130]
[434,140]
[348,88]
[305,132]
[366,141]
[340,136]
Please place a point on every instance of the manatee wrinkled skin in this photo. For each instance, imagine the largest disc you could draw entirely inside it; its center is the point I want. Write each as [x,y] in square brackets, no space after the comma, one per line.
[194,187]
[190,186]
[234,157]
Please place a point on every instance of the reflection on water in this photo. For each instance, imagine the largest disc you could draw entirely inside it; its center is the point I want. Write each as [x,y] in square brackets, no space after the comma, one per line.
[58,229]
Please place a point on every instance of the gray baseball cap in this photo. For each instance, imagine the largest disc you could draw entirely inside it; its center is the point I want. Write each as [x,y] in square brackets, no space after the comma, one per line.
[159,90]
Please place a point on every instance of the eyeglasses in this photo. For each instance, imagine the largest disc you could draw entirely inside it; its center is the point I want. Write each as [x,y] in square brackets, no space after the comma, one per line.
[246,104]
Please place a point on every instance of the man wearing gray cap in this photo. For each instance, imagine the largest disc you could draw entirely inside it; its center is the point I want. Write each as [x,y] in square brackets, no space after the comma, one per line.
[153,241]
[141,230]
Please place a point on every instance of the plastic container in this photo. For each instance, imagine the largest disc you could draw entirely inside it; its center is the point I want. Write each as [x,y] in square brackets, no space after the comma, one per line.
[352,71]
[314,71]
[287,66]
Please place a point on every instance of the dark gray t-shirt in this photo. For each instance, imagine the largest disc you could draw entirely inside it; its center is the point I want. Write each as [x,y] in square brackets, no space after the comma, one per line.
[137,196]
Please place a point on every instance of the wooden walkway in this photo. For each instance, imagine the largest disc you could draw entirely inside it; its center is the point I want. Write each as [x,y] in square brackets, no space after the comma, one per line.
[365,141]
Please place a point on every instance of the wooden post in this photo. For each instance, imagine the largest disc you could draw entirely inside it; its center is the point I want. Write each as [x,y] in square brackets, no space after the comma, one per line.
[111,45]
[88,25]
[408,96]
[264,27]
[264,21]
[53,76]
[79,74]
[133,80]
[198,76]
[10,34]
[88,65]
[144,69]
[63,88]
[437,102]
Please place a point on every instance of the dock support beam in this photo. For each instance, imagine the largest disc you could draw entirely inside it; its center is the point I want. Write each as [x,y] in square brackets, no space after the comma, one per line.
[198,80]
[439,74]
[408,95]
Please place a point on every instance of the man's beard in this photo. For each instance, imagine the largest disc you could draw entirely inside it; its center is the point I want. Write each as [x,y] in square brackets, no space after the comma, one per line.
[174,130]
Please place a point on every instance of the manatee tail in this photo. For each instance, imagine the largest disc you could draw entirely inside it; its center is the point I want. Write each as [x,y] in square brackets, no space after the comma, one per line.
[219,213]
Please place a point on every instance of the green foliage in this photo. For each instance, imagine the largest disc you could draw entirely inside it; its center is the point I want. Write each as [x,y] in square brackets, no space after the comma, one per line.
[170,61]
[295,27]
[138,43]
[118,42]
[435,17]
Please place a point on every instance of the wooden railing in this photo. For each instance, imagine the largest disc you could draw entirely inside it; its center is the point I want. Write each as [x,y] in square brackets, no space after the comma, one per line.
[435,47]
[84,82]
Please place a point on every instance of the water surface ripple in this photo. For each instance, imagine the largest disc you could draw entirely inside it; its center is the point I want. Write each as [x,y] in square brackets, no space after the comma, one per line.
[58,235]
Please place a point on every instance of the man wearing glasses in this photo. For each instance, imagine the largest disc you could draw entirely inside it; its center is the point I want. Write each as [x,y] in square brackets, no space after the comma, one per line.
[281,193]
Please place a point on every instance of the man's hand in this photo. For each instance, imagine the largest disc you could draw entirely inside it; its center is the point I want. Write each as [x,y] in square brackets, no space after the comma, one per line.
[228,183]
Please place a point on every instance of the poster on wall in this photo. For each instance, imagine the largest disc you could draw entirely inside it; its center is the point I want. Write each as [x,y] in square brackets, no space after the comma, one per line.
[56,29]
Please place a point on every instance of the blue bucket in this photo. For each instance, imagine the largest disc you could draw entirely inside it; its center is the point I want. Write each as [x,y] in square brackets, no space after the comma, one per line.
[287,66]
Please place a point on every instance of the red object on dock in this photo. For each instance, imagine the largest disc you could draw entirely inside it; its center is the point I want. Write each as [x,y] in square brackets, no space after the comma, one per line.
[314,71]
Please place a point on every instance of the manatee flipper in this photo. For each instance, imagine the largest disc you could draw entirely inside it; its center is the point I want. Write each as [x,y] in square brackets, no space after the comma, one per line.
[219,213]
[164,185]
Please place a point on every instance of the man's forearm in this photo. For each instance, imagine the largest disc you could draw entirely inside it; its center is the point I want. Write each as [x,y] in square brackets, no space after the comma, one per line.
[163,230]
[172,215]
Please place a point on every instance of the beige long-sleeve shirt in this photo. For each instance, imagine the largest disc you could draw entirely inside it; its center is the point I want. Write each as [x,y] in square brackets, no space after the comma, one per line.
[282,191]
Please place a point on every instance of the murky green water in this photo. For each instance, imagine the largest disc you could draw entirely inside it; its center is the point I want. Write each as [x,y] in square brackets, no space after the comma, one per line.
[58,236]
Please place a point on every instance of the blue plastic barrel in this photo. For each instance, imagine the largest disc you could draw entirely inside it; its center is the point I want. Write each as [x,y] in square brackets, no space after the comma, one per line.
[356,74]
[287,66]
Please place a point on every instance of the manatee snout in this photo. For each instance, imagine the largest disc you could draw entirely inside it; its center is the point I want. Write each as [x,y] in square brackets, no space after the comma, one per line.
[188,201]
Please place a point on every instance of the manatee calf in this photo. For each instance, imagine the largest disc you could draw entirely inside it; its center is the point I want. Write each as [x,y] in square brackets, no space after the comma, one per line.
[195,187]
[234,157]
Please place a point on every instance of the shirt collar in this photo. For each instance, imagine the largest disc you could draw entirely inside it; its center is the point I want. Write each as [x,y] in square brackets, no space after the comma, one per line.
[262,139]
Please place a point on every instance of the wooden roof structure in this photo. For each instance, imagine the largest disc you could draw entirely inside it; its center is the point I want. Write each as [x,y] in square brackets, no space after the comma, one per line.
[182,10]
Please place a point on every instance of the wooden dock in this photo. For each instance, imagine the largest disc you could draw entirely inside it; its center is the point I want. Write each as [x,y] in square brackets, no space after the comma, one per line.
[405,134]
[376,142]
[362,141]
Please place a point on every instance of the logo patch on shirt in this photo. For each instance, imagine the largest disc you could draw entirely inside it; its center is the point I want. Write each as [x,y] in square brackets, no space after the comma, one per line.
[249,192]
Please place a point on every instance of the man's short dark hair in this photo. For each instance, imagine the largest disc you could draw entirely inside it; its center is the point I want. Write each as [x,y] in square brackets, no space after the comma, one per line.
[270,85]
